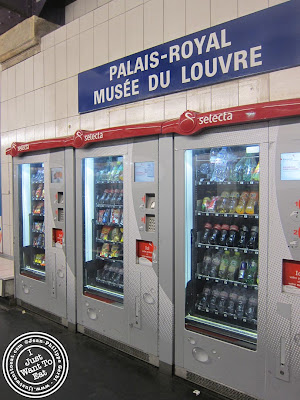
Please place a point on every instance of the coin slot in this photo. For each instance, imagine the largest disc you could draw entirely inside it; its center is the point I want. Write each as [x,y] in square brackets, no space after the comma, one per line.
[60,197]
[57,237]
[150,200]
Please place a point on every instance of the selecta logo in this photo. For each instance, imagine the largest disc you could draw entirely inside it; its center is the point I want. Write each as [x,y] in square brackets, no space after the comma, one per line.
[211,118]
[23,147]
[93,136]
[188,120]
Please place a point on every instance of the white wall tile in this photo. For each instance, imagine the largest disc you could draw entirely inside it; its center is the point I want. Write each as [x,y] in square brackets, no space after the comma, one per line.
[73,124]
[11,82]
[29,109]
[3,83]
[12,114]
[20,123]
[197,15]
[248,7]
[117,116]
[86,46]
[20,79]
[73,56]
[50,103]
[101,15]
[39,106]
[73,96]
[225,95]
[39,132]
[101,118]
[69,13]
[91,5]
[73,28]
[199,99]
[5,209]
[86,22]
[4,120]
[134,113]
[129,4]
[61,61]
[254,89]
[285,84]
[61,98]
[87,122]
[4,178]
[222,11]
[29,75]
[154,109]
[174,19]
[29,134]
[7,249]
[116,34]
[134,30]
[49,65]
[102,2]
[38,71]
[275,2]
[50,130]
[116,7]
[79,9]
[20,133]
[60,34]
[48,41]
[175,105]
[153,23]
[61,127]
[101,44]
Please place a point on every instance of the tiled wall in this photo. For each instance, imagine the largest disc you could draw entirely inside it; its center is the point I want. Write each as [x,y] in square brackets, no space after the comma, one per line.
[39,95]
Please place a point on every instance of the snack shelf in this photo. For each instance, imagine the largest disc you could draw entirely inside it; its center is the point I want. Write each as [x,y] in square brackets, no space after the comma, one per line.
[225,183]
[113,260]
[114,225]
[38,247]
[226,315]
[108,182]
[91,288]
[39,232]
[109,283]
[35,199]
[38,215]
[108,241]
[226,282]
[227,215]
[218,247]
[109,205]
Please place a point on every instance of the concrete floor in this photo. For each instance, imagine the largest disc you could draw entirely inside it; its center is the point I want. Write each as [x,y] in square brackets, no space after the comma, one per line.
[96,370]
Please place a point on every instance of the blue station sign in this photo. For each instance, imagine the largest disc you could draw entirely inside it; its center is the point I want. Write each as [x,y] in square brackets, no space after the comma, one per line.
[265,41]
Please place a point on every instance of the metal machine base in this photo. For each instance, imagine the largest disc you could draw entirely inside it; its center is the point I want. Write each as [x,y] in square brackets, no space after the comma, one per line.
[43,313]
[213,386]
[149,358]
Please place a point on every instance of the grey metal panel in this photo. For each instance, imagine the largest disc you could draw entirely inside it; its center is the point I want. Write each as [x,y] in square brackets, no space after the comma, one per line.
[70,234]
[166,250]
[222,357]
[283,363]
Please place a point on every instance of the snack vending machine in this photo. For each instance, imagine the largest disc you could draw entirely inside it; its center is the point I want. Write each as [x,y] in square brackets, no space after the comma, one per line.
[44,233]
[221,233]
[117,244]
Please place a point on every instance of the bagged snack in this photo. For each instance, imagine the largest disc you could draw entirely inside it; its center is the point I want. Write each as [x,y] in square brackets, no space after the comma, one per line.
[240,209]
[213,204]
[115,216]
[115,251]
[106,216]
[100,216]
[105,250]
[105,232]
[205,203]
[115,235]
[252,202]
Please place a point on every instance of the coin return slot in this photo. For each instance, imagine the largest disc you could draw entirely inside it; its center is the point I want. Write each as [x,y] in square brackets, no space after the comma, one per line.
[60,197]
[57,237]
[60,215]
[150,200]
[150,223]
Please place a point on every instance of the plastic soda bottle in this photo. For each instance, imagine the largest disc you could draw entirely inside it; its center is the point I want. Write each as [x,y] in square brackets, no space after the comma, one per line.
[252,202]
[215,264]
[232,301]
[249,167]
[206,263]
[204,300]
[251,272]
[224,265]
[234,266]
[241,302]
[223,300]
[242,271]
[214,298]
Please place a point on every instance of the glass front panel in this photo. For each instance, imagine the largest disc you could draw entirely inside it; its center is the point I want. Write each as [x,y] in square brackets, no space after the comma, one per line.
[32,225]
[103,228]
[222,227]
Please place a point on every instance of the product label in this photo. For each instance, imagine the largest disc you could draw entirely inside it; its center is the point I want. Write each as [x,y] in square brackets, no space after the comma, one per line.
[291,273]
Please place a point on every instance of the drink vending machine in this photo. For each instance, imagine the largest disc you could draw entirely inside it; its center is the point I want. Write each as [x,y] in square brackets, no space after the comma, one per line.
[44,230]
[235,191]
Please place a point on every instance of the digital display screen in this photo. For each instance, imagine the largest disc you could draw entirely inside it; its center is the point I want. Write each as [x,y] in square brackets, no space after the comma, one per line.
[290,166]
[144,171]
[57,175]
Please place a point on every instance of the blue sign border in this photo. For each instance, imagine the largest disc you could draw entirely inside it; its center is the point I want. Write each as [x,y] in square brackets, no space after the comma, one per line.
[261,42]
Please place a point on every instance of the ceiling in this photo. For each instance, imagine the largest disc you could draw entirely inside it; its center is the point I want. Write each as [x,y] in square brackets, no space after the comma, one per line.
[12,12]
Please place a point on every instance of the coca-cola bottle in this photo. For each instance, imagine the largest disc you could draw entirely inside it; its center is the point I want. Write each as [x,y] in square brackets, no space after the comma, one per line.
[224,234]
[207,233]
[214,239]
[243,237]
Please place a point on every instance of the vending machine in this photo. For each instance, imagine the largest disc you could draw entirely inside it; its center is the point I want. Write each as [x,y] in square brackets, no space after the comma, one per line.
[221,258]
[117,243]
[44,233]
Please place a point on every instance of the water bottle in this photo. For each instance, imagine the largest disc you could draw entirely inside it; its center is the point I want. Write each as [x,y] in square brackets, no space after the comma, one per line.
[241,302]
[204,299]
[221,307]
[212,159]
[206,263]
[219,174]
[251,308]
[234,266]
[224,265]
[232,301]
[214,298]
[215,264]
